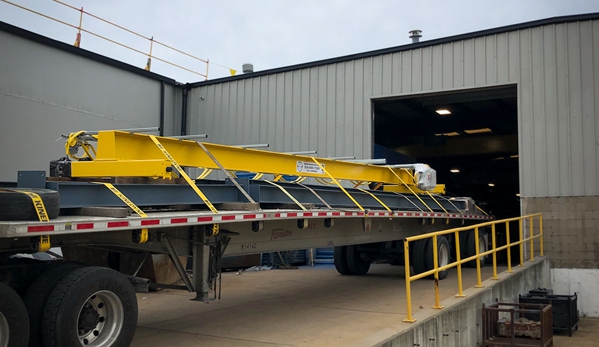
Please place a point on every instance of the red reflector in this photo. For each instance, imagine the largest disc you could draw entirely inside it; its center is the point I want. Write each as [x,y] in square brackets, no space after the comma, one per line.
[336,213]
[118,224]
[308,214]
[204,219]
[178,220]
[228,217]
[249,216]
[322,214]
[85,226]
[40,228]
[150,222]
[291,214]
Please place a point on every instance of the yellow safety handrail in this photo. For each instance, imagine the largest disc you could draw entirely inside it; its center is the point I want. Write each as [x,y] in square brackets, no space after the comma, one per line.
[151,39]
[477,256]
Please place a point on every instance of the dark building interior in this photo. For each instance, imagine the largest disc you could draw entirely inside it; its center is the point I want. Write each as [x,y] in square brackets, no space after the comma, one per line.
[470,138]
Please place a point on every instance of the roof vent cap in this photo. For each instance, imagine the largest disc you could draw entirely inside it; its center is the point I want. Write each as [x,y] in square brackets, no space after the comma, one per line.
[248,68]
[415,35]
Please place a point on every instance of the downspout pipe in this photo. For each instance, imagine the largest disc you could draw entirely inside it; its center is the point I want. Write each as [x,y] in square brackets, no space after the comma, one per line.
[162,87]
[184,110]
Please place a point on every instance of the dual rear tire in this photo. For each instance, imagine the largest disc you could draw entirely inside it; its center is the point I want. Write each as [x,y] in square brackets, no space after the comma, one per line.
[349,261]
[70,305]
[14,322]
[422,257]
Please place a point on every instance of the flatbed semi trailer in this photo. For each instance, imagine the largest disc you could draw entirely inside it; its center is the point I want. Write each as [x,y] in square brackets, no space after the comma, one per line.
[66,303]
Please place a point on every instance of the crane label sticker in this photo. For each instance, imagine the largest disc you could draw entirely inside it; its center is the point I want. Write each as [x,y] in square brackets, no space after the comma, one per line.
[308,167]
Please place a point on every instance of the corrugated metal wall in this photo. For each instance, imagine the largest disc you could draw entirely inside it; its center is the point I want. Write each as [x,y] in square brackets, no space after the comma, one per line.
[46,92]
[328,108]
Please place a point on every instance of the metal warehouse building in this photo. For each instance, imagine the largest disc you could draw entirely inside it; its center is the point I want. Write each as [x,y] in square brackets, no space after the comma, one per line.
[520,131]
[524,118]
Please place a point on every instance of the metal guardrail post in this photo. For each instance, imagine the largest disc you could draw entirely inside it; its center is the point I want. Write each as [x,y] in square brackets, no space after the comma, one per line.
[520,221]
[509,252]
[436,267]
[459,261]
[478,270]
[494,245]
[532,239]
[541,233]
[406,252]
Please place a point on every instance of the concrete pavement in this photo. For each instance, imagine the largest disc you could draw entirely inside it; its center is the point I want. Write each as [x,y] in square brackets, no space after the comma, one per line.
[303,307]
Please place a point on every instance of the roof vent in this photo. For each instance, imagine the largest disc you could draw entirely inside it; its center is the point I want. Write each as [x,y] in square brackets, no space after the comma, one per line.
[248,68]
[415,35]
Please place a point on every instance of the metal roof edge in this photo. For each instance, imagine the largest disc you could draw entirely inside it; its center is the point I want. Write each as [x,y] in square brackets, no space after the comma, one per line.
[406,47]
[11,29]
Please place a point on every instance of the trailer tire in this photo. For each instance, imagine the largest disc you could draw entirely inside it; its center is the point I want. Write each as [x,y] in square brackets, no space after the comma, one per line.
[418,256]
[14,322]
[470,248]
[355,264]
[340,260]
[91,305]
[37,296]
[443,250]
[18,206]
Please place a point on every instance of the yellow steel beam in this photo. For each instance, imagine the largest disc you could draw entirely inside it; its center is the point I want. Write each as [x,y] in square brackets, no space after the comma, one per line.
[439,189]
[121,154]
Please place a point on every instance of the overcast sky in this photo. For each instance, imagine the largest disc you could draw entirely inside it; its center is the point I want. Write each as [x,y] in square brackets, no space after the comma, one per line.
[272,33]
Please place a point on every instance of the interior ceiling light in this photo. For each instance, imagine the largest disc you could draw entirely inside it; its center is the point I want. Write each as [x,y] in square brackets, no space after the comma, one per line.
[443,111]
[517,194]
[491,184]
[453,133]
[514,156]
[455,170]
[478,131]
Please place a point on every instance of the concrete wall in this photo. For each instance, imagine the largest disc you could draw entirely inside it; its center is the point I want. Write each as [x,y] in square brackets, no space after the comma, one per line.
[48,88]
[571,229]
[459,323]
[583,282]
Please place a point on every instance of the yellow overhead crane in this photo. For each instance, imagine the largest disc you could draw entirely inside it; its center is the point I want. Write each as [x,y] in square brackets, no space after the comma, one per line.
[129,154]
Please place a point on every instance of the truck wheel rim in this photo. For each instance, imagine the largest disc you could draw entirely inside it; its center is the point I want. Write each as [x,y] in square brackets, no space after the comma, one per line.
[100,320]
[443,255]
[482,247]
[4,331]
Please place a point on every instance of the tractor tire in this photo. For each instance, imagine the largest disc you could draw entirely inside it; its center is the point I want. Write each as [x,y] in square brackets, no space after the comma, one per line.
[14,322]
[91,306]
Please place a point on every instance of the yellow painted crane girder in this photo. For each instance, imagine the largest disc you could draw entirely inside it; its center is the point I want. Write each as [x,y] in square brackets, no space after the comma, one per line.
[125,154]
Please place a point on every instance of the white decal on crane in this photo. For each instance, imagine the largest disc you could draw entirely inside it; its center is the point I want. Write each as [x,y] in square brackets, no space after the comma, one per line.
[306,166]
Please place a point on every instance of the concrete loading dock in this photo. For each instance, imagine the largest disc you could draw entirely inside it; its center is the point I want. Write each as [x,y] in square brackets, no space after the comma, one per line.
[318,307]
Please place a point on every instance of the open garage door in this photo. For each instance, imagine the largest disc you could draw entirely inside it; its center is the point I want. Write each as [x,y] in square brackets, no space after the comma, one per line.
[470,137]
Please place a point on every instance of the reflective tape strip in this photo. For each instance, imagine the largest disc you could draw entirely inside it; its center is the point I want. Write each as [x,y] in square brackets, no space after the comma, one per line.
[183,174]
[172,220]
[125,199]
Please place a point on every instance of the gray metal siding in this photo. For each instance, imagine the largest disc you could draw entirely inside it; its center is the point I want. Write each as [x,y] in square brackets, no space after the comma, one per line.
[328,107]
[46,92]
